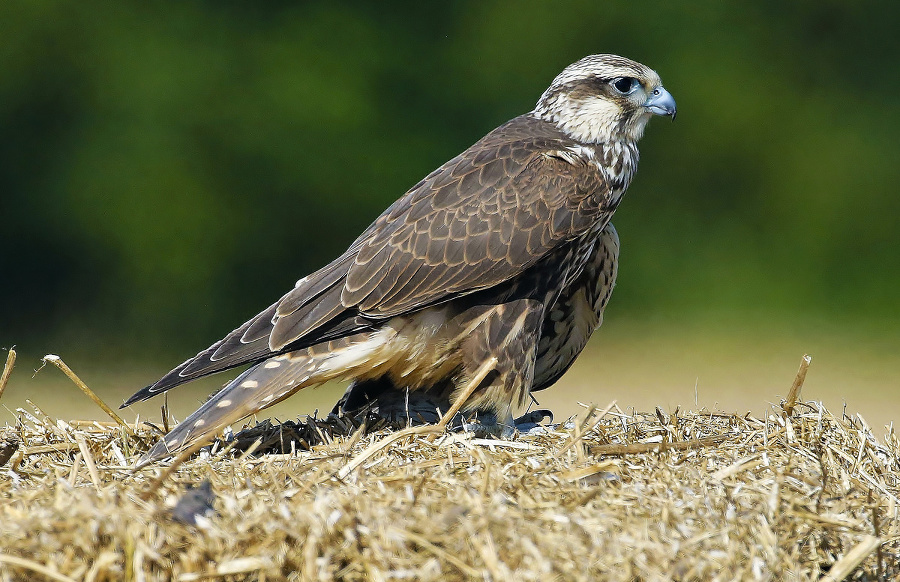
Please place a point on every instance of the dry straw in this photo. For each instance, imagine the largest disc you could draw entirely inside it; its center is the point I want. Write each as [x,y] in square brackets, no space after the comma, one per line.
[799,494]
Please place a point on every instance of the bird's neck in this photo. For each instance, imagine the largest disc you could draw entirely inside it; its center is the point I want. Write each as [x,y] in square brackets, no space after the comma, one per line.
[617,161]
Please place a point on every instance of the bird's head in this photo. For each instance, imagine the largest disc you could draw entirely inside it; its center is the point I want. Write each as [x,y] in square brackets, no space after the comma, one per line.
[604,98]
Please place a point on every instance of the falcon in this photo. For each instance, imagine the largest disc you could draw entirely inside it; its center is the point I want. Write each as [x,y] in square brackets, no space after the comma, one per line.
[489,275]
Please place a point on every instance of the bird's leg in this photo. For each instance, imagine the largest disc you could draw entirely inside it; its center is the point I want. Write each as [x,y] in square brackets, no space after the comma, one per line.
[507,335]
[464,394]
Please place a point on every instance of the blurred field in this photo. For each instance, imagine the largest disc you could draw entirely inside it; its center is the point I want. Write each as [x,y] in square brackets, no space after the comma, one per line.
[732,365]
[169,169]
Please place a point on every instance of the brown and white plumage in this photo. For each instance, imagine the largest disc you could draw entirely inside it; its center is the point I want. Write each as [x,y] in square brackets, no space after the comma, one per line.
[505,251]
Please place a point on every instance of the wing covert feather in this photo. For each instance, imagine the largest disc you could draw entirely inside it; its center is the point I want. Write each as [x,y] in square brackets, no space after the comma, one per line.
[494,210]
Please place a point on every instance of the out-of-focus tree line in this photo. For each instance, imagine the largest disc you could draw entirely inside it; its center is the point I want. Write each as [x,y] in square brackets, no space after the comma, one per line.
[167,169]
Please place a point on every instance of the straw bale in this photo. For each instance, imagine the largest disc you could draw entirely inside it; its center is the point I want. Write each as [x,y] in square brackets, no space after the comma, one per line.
[608,495]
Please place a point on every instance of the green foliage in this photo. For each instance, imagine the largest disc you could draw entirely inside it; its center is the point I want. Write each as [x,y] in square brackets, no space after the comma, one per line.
[167,169]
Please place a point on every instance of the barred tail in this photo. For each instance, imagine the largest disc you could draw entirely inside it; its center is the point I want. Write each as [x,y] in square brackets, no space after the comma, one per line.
[261,386]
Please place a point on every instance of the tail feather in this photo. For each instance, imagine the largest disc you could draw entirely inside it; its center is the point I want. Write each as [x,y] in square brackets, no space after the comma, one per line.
[263,385]
[259,387]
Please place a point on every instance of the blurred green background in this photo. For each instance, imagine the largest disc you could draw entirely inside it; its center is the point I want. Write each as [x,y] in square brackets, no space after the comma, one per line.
[168,169]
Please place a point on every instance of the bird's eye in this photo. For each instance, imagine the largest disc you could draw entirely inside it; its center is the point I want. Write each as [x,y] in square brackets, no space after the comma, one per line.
[625,85]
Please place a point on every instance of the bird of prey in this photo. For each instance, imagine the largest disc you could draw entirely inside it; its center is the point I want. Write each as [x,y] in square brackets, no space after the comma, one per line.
[491,273]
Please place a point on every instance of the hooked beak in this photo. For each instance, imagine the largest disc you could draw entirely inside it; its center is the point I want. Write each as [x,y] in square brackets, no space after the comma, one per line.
[661,102]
